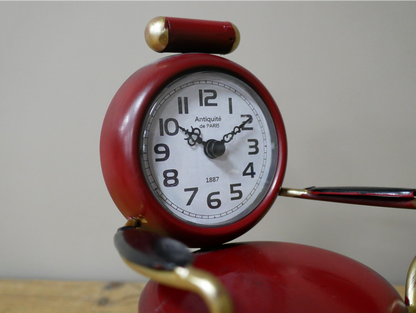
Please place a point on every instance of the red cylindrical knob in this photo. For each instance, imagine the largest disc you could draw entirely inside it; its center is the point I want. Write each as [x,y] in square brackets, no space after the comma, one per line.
[170,34]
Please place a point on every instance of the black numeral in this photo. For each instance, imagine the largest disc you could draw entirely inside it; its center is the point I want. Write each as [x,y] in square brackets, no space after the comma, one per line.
[194,191]
[162,148]
[249,170]
[246,116]
[212,202]
[233,190]
[254,146]
[204,101]
[170,126]
[183,105]
[230,105]
[171,178]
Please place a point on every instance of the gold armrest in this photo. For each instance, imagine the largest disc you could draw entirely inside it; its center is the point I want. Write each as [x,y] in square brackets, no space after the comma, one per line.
[209,288]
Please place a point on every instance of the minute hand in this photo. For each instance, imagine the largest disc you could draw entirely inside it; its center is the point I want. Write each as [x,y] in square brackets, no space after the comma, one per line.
[237,129]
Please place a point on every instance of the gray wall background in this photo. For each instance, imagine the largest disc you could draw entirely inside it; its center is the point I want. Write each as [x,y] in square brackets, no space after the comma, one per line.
[342,73]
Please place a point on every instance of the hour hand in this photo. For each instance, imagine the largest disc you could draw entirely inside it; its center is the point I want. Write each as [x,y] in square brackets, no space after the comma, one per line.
[194,136]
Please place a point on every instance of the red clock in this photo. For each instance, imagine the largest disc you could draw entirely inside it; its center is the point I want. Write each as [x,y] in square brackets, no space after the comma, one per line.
[194,145]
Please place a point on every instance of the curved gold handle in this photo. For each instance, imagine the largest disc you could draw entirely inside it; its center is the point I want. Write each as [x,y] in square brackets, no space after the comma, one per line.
[209,288]
[169,262]
[410,293]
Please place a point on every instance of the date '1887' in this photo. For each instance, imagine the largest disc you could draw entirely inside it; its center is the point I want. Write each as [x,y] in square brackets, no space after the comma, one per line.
[212,179]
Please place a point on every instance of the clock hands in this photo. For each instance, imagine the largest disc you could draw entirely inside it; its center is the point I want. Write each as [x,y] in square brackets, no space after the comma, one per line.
[194,136]
[237,129]
[212,148]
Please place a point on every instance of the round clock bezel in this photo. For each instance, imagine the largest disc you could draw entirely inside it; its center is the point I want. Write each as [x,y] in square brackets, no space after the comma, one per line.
[120,146]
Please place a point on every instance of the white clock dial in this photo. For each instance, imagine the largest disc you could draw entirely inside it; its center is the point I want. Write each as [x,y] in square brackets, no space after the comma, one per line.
[209,149]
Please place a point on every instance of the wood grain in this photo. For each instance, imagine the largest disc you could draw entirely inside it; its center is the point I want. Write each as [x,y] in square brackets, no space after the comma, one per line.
[68,296]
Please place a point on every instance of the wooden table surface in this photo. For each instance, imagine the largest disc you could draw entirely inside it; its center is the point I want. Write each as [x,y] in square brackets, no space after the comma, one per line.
[24,296]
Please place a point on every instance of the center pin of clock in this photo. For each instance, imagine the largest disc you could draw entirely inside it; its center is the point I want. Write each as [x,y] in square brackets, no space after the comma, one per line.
[214,148]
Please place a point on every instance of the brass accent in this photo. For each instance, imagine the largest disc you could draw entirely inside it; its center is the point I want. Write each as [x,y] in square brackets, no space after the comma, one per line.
[209,288]
[236,40]
[289,192]
[410,292]
[135,221]
[132,223]
[156,35]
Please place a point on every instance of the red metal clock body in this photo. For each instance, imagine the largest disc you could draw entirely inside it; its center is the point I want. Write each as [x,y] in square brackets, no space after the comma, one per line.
[120,149]
[282,277]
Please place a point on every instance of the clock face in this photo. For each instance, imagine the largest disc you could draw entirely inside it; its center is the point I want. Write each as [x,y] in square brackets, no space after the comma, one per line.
[208,149]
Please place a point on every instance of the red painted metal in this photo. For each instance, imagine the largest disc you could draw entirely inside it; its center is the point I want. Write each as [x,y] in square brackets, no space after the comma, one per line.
[398,201]
[119,149]
[363,191]
[191,35]
[282,277]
